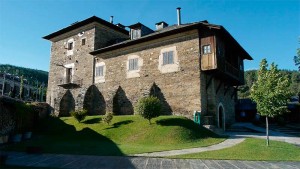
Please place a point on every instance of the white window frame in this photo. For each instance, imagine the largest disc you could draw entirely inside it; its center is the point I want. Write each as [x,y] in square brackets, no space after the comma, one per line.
[99,71]
[168,57]
[206,49]
[70,51]
[133,64]
[133,73]
[168,67]
[69,66]
[83,39]
[100,79]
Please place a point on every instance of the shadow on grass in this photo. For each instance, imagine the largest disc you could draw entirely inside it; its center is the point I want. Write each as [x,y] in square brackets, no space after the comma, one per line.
[196,131]
[118,124]
[55,136]
[92,121]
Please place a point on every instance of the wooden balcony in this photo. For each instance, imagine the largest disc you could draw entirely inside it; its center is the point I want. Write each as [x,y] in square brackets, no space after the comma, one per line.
[234,72]
[69,83]
[224,70]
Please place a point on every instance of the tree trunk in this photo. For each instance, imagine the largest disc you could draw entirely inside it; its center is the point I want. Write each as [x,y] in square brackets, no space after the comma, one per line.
[267,130]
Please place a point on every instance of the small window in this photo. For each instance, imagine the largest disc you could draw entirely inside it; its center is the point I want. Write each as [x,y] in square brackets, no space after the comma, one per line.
[168,58]
[68,75]
[206,49]
[133,64]
[70,45]
[83,41]
[99,71]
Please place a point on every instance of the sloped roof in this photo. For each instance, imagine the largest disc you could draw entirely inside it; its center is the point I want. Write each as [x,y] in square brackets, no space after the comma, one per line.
[82,23]
[173,30]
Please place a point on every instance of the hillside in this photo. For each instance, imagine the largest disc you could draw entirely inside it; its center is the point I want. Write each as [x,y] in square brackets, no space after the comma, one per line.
[32,75]
[251,77]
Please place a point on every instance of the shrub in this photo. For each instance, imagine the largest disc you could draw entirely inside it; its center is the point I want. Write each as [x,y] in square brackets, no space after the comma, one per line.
[108,117]
[79,115]
[148,107]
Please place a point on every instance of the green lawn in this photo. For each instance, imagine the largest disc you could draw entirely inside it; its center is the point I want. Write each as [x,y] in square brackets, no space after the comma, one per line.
[127,135]
[252,149]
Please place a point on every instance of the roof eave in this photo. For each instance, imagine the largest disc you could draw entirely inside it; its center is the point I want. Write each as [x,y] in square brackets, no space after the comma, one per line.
[245,53]
[143,39]
[83,23]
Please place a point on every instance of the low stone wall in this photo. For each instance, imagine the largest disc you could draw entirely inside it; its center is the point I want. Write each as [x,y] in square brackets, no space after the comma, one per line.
[8,118]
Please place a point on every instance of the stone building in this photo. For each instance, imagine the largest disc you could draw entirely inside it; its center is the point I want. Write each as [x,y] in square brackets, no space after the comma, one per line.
[101,67]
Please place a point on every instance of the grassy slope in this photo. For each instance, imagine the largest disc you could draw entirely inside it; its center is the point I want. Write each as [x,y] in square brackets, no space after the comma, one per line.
[252,149]
[126,135]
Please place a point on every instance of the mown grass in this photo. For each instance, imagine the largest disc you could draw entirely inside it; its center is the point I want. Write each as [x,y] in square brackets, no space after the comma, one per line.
[252,149]
[127,135]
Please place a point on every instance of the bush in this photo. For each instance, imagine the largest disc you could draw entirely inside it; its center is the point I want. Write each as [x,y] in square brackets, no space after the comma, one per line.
[79,115]
[148,107]
[108,117]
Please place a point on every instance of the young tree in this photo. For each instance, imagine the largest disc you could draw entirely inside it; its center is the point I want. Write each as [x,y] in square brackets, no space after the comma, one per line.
[270,92]
[21,87]
[297,58]
[148,107]
[108,117]
[79,115]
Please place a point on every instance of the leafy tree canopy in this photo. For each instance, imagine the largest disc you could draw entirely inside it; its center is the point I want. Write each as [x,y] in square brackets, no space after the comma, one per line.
[33,76]
[251,78]
[297,59]
[271,90]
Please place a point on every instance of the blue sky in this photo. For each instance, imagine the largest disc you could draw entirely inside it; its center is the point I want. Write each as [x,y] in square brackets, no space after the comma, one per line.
[266,29]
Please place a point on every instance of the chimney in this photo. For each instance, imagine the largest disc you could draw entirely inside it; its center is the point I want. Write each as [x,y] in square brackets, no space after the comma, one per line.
[161,25]
[111,19]
[178,16]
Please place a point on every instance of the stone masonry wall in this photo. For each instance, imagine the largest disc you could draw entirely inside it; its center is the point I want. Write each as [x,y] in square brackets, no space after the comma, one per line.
[82,60]
[181,89]
[217,94]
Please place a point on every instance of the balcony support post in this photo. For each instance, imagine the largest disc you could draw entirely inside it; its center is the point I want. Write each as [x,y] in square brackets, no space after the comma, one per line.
[219,86]
[234,91]
[209,81]
[226,89]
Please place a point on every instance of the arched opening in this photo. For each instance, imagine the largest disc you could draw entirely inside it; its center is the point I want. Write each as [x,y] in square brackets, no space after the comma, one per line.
[221,116]
[67,104]
[94,101]
[121,104]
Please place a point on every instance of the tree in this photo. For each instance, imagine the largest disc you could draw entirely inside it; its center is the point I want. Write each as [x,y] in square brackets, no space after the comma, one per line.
[79,115]
[270,92]
[149,107]
[21,87]
[108,117]
[297,59]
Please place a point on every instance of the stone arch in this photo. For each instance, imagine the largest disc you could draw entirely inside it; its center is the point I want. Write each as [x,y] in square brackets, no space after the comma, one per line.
[156,91]
[67,104]
[94,101]
[221,116]
[121,104]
